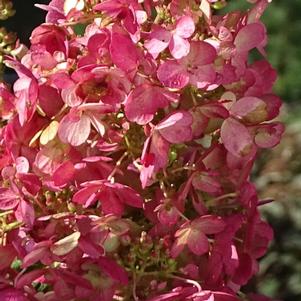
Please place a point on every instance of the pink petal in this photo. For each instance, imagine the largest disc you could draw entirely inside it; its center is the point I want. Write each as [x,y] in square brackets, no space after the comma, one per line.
[269,135]
[115,271]
[12,294]
[185,27]
[273,103]
[203,76]
[159,40]
[91,249]
[123,52]
[8,199]
[66,244]
[25,213]
[197,242]
[8,254]
[64,173]
[86,196]
[50,100]
[206,183]
[33,257]
[251,109]
[179,47]
[22,165]
[129,196]
[74,128]
[173,75]
[110,202]
[214,110]
[70,97]
[236,138]
[176,128]
[249,37]
[209,224]
[201,53]
[144,101]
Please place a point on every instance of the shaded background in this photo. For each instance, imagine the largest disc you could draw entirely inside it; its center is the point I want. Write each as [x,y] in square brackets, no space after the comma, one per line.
[278,172]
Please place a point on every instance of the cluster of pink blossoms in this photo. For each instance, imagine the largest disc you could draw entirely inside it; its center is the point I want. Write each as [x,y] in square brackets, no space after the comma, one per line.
[126,150]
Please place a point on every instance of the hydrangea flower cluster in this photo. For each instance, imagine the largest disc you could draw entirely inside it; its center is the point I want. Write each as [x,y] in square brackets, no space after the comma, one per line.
[126,150]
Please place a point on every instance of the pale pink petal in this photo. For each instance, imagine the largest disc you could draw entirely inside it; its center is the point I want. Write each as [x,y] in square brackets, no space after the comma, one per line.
[251,109]
[236,138]
[159,40]
[74,128]
[269,135]
[179,47]
[25,213]
[249,37]
[185,27]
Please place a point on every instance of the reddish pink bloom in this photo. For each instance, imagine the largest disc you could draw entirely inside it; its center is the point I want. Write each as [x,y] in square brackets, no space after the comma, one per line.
[113,197]
[176,40]
[193,234]
[196,68]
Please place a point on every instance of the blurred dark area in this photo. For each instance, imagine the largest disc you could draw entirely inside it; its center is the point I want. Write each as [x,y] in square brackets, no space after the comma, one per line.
[277,173]
[26,18]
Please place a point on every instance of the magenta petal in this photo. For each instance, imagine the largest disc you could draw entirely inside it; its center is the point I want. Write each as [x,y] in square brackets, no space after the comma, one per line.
[236,137]
[123,52]
[176,128]
[209,224]
[91,249]
[204,182]
[8,254]
[12,294]
[86,196]
[64,173]
[129,196]
[8,199]
[115,271]
[33,257]
[197,242]
[27,278]
[110,202]
[144,101]
[74,128]
[250,36]
[173,75]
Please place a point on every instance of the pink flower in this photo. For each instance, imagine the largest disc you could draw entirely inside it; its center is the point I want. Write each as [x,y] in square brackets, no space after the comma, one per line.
[193,234]
[195,69]
[176,40]
[112,196]
[75,127]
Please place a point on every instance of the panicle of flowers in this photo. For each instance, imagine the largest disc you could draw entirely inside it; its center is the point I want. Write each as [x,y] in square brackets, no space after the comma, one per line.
[127,144]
